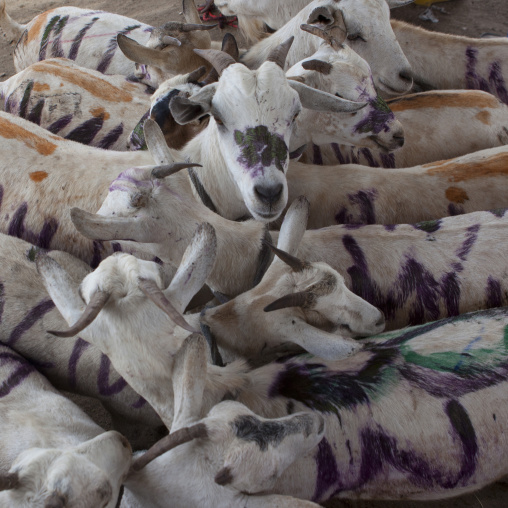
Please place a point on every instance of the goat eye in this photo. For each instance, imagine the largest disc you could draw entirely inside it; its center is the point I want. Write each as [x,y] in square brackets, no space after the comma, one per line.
[355,37]
[218,120]
[339,95]
[295,116]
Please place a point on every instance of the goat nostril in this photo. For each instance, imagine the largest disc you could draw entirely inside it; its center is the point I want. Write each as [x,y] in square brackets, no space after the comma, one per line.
[399,139]
[406,75]
[381,320]
[269,194]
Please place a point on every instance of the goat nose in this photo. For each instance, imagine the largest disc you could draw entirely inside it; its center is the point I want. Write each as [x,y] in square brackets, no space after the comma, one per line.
[398,138]
[268,194]
[406,75]
[381,321]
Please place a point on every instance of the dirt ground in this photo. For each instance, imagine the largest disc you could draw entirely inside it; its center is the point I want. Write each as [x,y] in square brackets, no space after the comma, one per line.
[462,17]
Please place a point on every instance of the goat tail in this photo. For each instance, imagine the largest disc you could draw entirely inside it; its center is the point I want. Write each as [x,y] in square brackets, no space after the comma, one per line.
[12,29]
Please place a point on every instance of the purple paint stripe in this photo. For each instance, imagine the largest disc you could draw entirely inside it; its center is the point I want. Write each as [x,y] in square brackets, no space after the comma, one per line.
[111,137]
[97,253]
[327,471]
[16,226]
[59,124]
[317,156]
[103,385]
[338,154]
[1,195]
[79,347]
[2,300]
[76,43]
[139,403]
[15,379]
[35,314]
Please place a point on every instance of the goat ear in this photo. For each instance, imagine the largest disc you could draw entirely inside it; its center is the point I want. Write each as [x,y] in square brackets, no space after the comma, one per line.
[321,16]
[317,100]
[328,346]
[393,4]
[294,225]
[189,379]
[190,12]
[99,227]
[156,143]
[196,265]
[141,54]
[185,110]
[61,288]
[264,448]
[278,501]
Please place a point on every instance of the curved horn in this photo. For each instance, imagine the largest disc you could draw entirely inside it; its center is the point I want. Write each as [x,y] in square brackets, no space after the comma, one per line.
[318,100]
[190,12]
[154,293]
[197,74]
[296,264]
[280,53]
[218,59]
[181,436]
[97,302]
[229,46]
[9,481]
[171,169]
[170,41]
[318,66]
[301,299]
[191,27]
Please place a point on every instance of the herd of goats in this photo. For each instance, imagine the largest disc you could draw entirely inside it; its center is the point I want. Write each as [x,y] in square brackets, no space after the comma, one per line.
[291,257]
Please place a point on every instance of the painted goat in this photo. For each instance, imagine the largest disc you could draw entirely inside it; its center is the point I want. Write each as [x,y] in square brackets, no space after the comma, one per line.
[52,454]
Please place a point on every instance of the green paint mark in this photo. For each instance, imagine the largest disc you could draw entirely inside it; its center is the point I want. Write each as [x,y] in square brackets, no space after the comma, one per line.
[381,105]
[44,41]
[260,149]
[429,226]
[32,254]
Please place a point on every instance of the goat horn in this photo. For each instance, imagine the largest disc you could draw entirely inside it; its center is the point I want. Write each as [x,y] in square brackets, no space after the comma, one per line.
[218,59]
[154,293]
[296,264]
[170,41]
[280,53]
[230,47]
[302,299]
[171,169]
[191,27]
[9,481]
[326,34]
[190,11]
[197,74]
[95,305]
[295,154]
[177,438]
[318,66]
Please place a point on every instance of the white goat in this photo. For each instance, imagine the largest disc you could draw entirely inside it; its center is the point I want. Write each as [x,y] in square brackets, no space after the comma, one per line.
[417,414]
[252,16]
[437,125]
[445,61]
[52,454]
[71,365]
[167,215]
[90,38]
[369,34]
[92,108]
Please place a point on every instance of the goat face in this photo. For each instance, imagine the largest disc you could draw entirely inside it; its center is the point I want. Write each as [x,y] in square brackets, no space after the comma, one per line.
[343,73]
[367,23]
[85,476]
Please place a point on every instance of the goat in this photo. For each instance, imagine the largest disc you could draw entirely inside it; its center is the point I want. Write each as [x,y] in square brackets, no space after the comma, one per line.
[53,454]
[438,125]
[252,17]
[91,108]
[369,34]
[445,61]
[90,39]
[156,227]
[417,414]
[71,365]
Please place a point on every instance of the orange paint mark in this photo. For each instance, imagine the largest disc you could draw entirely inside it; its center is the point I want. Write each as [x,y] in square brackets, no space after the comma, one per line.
[100,112]
[483,117]
[459,172]
[38,24]
[39,87]
[98,87]
[456,194]
[38,176]
[10,130]
[466,99]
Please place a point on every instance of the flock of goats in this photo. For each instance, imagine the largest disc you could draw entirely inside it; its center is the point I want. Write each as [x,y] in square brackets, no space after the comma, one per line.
[212,241]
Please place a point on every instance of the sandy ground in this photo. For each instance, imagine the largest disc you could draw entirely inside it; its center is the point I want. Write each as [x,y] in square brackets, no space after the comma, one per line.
[462,17]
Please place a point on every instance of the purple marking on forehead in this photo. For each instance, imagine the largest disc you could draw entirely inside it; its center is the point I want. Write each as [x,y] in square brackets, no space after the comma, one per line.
[327,471]
[16,377]
[30,319]
[494,294]
[79,348]
[103,385]
[377,120]
[128,178]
